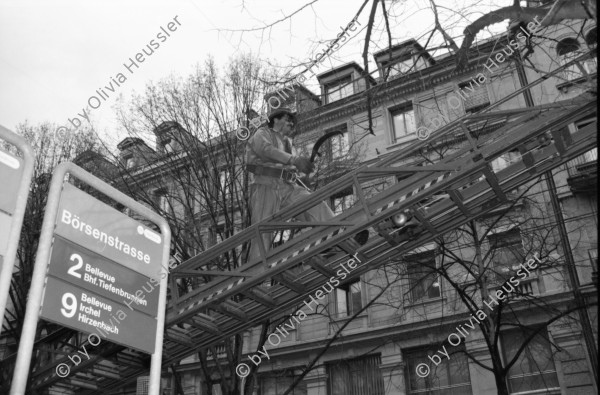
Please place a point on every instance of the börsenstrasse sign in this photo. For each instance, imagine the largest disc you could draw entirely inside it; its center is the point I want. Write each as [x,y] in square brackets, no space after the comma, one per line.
[100,264]
[100,228]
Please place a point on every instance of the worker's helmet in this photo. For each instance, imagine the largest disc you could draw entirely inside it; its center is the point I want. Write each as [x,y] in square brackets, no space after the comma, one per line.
[275,112]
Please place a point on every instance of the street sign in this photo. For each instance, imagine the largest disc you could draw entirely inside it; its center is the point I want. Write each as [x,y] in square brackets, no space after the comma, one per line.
[87,270]
[15,181]
[88,222]
[89,255]
[11,173]
[101,254]
[5,226]
[77,308]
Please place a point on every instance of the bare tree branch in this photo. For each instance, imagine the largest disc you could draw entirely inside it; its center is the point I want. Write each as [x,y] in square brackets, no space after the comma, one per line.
[561,10]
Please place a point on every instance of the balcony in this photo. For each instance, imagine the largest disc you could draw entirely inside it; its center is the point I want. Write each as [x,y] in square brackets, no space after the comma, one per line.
[583,174]
[526,287]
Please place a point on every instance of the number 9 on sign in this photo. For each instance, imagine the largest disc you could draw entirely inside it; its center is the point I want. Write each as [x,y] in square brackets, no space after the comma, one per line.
[69,303]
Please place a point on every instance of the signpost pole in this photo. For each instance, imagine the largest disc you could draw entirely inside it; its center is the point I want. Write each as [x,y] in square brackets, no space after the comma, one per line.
[156,361]
[17,215]
[23,361]
[34,300]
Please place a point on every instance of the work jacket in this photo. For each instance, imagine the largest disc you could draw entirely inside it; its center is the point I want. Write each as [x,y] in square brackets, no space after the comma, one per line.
[267,148]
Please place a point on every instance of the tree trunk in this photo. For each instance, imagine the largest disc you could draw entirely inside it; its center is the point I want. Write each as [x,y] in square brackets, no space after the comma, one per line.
[501,383]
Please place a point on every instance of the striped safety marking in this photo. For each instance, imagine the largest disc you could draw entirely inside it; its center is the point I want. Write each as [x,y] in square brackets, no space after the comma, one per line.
[315,243]
[272,265]
[212,295]
[309,246]
[419,189]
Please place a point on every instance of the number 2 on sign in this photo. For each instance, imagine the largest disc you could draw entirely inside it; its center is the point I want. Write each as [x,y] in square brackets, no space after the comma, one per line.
[73,270]
[69,303]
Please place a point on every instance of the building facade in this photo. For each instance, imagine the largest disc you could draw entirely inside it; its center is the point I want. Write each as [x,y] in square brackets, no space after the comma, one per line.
[419,318]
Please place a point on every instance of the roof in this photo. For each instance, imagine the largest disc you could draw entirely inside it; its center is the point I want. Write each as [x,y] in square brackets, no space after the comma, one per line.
[343,67]
[411,43]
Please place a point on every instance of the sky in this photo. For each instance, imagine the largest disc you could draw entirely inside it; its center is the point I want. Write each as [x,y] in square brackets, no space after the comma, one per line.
[55,54]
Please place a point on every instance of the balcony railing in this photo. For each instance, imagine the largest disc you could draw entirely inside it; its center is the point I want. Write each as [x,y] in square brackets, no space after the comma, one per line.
[588,159]
[583,172]
[526,287]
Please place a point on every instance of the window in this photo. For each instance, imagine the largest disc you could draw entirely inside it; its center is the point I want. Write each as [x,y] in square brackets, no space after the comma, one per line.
[507,253]
[129,162]
[198,203]
[398,68]
[591,39]
[339,89]
[567,50]
[423,280]
[349,298]
[342,201]
[475,97]
[219,233]
[403,123]
[534,369]
[339,146]
[355,376]
[593,253]
[161,201]
[591,155]
[505,160]
[224,183]
[216,389]
[167,146]
[276,383]
[450,377]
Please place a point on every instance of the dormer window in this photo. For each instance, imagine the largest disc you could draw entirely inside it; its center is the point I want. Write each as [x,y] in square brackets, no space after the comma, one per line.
[401,59]
[167,146]
[395,68]
[339,89]
[591,65]
[567,50]
[129,162]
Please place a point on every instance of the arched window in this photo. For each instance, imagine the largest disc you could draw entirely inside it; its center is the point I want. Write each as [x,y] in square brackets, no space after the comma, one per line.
[567,50]
[591,39]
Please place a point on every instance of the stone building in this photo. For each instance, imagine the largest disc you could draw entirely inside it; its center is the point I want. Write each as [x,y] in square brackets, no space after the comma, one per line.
[413,93]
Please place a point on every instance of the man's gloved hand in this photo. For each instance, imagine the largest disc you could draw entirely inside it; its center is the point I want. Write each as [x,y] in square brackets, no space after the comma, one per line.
[303,164]
[306,181]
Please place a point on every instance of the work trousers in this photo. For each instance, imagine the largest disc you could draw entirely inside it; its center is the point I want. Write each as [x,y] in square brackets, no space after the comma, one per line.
[266,200]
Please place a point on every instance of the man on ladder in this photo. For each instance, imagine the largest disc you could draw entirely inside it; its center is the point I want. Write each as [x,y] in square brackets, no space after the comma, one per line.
[273,163]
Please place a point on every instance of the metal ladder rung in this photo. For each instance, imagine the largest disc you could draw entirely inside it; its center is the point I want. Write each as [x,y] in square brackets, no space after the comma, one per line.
[260,296]
[493,181]
[175,335]
[230,308]
[200,322]
[457,198]
[286,280]
[319,264]
[424,221]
